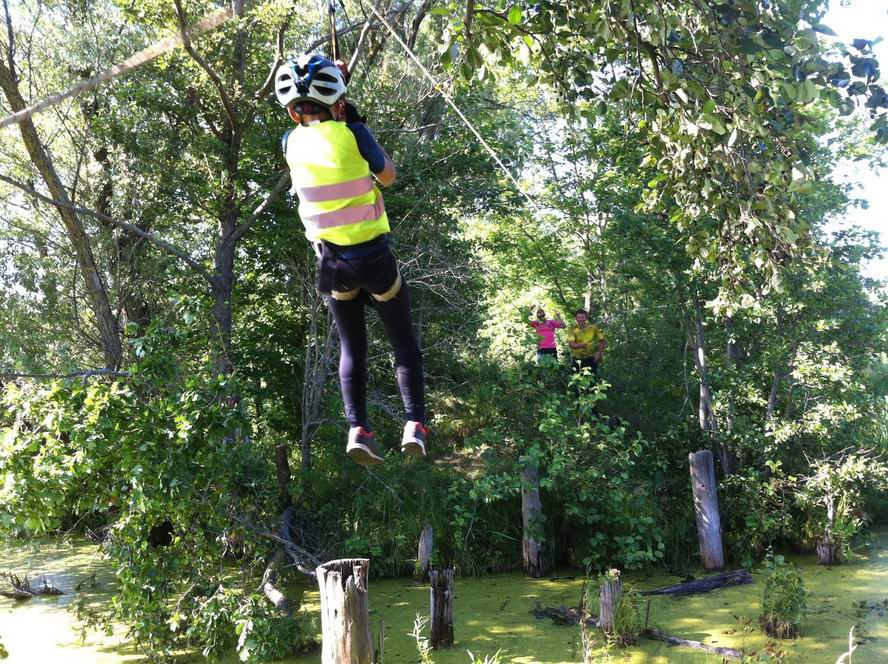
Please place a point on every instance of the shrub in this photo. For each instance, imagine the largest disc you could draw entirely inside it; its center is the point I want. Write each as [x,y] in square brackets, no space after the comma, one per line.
[784,599]
[627,612]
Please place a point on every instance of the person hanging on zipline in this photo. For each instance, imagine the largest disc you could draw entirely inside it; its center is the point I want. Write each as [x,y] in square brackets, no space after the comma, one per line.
[586,343]
[545,329]
[333,159]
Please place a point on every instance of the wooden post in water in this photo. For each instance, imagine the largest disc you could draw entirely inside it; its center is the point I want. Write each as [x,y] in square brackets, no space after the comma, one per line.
[345,619]
[531,509]
[712,554]
[424,551]
[609,597]
[380,646]
[441,608]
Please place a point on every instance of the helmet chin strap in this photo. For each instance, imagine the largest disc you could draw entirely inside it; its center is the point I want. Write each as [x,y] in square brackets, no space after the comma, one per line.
[336,112]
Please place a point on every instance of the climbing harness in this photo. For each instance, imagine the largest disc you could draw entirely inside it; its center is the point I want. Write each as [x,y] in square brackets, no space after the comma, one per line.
[208,22]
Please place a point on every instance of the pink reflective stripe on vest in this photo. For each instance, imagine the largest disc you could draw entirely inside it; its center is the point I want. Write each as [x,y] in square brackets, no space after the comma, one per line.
[346,216]
[332,192]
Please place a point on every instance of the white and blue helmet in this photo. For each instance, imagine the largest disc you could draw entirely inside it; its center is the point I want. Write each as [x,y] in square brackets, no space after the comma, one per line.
[309,78]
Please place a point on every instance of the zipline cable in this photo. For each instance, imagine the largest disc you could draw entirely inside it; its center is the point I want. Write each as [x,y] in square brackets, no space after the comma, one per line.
[437,86]
[156,49]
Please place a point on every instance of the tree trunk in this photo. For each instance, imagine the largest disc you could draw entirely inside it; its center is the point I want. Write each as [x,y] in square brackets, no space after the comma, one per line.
[827,548]
[608,599]
[106,323]
[441,608]
[707,417]
[424,551]
[589,296]
[531,510]
[345,620]
[706,509]
[827,552]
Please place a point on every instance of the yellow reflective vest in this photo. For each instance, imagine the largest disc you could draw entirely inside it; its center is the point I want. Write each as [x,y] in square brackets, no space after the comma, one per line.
[338,199]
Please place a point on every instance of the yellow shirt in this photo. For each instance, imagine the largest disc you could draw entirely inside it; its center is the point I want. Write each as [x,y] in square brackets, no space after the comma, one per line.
[589,335]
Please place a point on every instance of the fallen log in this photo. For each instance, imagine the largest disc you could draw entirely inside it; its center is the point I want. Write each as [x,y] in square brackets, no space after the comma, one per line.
[287,550]
[22,589]
[654,633]
[562,615]
[571,616]
[737,577]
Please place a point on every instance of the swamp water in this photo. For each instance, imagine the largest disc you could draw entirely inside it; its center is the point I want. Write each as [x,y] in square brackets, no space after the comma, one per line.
[490,613]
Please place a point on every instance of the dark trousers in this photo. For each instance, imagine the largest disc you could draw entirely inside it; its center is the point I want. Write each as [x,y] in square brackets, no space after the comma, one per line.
[547,352]
[354,280]
[580,364]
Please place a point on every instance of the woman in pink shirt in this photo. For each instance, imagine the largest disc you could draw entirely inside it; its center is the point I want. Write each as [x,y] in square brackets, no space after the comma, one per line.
[545,329]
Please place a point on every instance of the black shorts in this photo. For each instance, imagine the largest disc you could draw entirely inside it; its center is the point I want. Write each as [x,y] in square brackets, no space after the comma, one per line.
[346,271]
[580,364]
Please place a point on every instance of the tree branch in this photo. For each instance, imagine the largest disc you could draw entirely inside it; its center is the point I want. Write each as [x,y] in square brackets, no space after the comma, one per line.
[417,22]
[279,57]
[86,373]
[10,47]
[132,228]
[206,66]
[269,199]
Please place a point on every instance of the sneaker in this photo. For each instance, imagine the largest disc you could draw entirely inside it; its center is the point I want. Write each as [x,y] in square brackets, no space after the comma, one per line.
[362,447]
[413,443]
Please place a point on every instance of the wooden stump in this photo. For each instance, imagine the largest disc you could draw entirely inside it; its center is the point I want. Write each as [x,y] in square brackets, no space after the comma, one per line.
[424,551]
[345,620]
[609,597]
[706,508]
[441,608]
[531,510]
[827,552]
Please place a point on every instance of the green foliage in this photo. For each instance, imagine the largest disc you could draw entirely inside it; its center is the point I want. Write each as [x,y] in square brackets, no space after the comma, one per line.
[833,496]
[495,658]
[755,512]
[423,645]
[784,598]
[263,635]
[591,469]
[163,451]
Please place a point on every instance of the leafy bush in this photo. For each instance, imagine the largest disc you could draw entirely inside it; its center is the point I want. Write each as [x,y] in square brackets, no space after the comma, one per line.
[164,450]
[755,512]
[784,599]
[592,475]
[833,497]
[495,658]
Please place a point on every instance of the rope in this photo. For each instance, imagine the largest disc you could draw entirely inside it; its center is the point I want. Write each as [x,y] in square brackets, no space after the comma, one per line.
[156,49]
[437,86]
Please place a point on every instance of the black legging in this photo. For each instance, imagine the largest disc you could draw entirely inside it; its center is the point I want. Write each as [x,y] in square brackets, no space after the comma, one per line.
[375,274]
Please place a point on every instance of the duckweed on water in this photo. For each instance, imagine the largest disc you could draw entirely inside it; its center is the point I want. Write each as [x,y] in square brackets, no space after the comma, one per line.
[493,614]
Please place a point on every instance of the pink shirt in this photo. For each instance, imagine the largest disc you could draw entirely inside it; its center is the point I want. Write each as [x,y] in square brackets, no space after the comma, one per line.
[546,332]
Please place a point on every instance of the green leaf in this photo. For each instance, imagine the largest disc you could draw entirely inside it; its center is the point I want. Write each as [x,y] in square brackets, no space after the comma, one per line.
[732,139]
[515,15]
